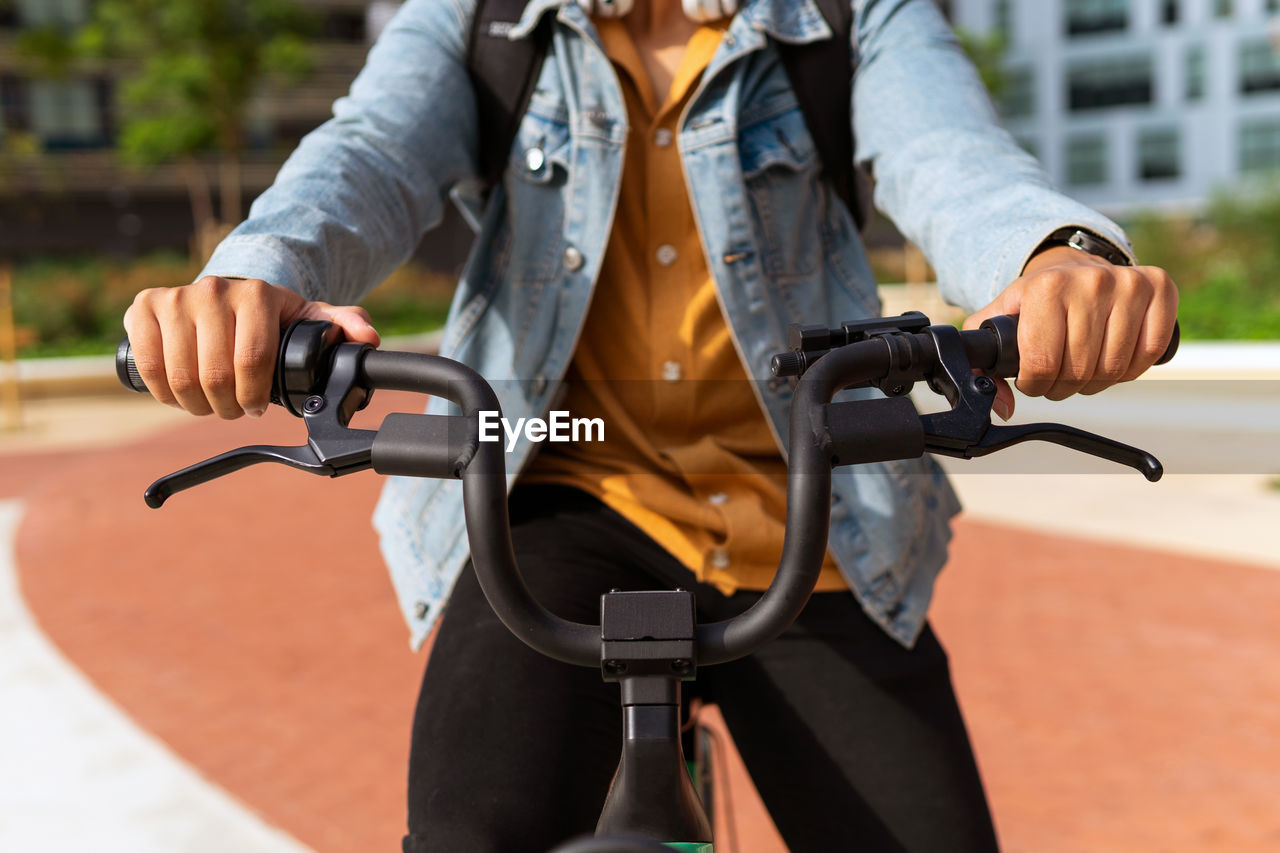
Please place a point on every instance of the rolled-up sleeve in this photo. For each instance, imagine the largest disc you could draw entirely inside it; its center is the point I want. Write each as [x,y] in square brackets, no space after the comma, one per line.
[946,173]
[352,202]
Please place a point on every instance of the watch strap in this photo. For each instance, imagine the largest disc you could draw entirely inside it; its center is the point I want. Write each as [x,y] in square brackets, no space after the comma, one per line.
[1087,241]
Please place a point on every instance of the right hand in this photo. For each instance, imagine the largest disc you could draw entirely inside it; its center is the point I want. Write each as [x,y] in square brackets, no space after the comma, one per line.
[210,347]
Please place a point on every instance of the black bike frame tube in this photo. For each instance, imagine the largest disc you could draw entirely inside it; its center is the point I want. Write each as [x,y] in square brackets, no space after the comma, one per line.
[484,489]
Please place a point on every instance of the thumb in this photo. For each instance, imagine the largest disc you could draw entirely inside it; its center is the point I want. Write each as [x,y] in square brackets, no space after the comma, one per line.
[352,319]
[1008,302]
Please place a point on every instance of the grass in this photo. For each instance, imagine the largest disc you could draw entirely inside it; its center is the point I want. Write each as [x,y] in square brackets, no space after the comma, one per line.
[75,305]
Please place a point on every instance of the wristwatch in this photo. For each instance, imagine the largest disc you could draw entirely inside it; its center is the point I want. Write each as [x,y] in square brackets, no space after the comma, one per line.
[1086,241]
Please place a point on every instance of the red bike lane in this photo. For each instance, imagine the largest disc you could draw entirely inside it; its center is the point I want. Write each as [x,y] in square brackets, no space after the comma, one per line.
[1119,699]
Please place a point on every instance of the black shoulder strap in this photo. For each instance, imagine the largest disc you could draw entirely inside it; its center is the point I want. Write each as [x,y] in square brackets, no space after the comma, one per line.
[503,74]
[822,80]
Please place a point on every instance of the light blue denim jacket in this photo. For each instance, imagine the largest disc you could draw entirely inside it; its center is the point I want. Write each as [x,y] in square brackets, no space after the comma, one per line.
[355,198]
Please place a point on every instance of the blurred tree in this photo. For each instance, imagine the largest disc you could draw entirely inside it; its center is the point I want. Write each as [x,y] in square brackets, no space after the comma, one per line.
[189,69]
[987,52]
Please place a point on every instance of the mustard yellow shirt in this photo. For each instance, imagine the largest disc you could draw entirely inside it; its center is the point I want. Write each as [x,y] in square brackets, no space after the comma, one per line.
[688,456]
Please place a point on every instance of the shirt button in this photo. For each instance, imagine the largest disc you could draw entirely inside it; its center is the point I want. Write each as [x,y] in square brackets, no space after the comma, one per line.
[572,259]
[718,499]
[720,558]
[535,159]
[662,137]
[666,254]
[671,371]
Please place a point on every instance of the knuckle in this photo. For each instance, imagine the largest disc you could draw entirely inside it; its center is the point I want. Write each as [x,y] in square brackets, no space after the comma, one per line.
[1112,368]
[217,378]
[211,288]
[1039,365]
[183,380]
[253,359]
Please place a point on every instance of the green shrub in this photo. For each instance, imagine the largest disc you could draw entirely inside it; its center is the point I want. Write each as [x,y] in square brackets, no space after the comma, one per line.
[1226,264]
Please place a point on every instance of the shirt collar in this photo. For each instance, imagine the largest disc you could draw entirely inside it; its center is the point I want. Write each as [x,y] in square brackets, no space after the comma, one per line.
[792,21]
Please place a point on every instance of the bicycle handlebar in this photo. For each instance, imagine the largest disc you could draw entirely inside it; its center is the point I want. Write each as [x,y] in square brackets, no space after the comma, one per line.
[892,353]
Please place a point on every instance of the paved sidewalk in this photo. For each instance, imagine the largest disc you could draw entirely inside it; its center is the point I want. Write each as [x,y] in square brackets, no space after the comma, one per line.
[78,774]
[1120,698]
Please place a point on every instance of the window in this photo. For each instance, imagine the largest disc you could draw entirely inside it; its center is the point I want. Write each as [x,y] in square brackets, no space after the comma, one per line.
[1159,157]
[1086,17]
[1195,72]
[1019,97]
[14,115]
[53,13]
[343,26]
[1087,160]
[1109,83]
[1169,12]
[1259,145]
[1002,14]
[67,114]
[1259,67]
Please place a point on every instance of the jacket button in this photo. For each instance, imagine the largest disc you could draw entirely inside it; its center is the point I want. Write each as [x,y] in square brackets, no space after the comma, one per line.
[421,609]
[572,259]
[666,254]
[671,371]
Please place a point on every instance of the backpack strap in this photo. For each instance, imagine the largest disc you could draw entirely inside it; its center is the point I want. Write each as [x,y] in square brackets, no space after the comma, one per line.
[503,75]
[821,77]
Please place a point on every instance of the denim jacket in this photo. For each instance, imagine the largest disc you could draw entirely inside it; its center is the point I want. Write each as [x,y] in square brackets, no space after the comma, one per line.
[355,198]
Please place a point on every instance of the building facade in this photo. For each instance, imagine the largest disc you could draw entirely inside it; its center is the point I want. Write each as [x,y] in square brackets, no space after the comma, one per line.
[76,196]
[1140,104]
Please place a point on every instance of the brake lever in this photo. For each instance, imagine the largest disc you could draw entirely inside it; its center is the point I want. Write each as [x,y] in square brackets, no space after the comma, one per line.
[332,449]
[966,431]
[1000,437]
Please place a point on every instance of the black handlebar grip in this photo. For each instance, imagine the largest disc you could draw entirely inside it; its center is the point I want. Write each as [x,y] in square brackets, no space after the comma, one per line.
[127,371]
[1005,331]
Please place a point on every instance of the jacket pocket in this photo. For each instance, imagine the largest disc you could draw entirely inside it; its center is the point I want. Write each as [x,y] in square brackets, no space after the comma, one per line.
[536,183]
[780,168]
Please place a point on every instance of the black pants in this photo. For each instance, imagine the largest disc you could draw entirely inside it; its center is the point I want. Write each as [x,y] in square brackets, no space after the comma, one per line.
[853,741]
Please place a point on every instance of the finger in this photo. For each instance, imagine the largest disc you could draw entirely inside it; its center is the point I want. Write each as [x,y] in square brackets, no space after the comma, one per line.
[1003,403]
[257,338]
[146,344]
[1042,335]
[1120,336]
[1157,326]
[215,347]
[1086,326]
[1008,302]
[182,367]
[354,321]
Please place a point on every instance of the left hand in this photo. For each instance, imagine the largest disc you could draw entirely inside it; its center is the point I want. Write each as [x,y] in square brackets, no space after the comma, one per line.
[1085,324]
